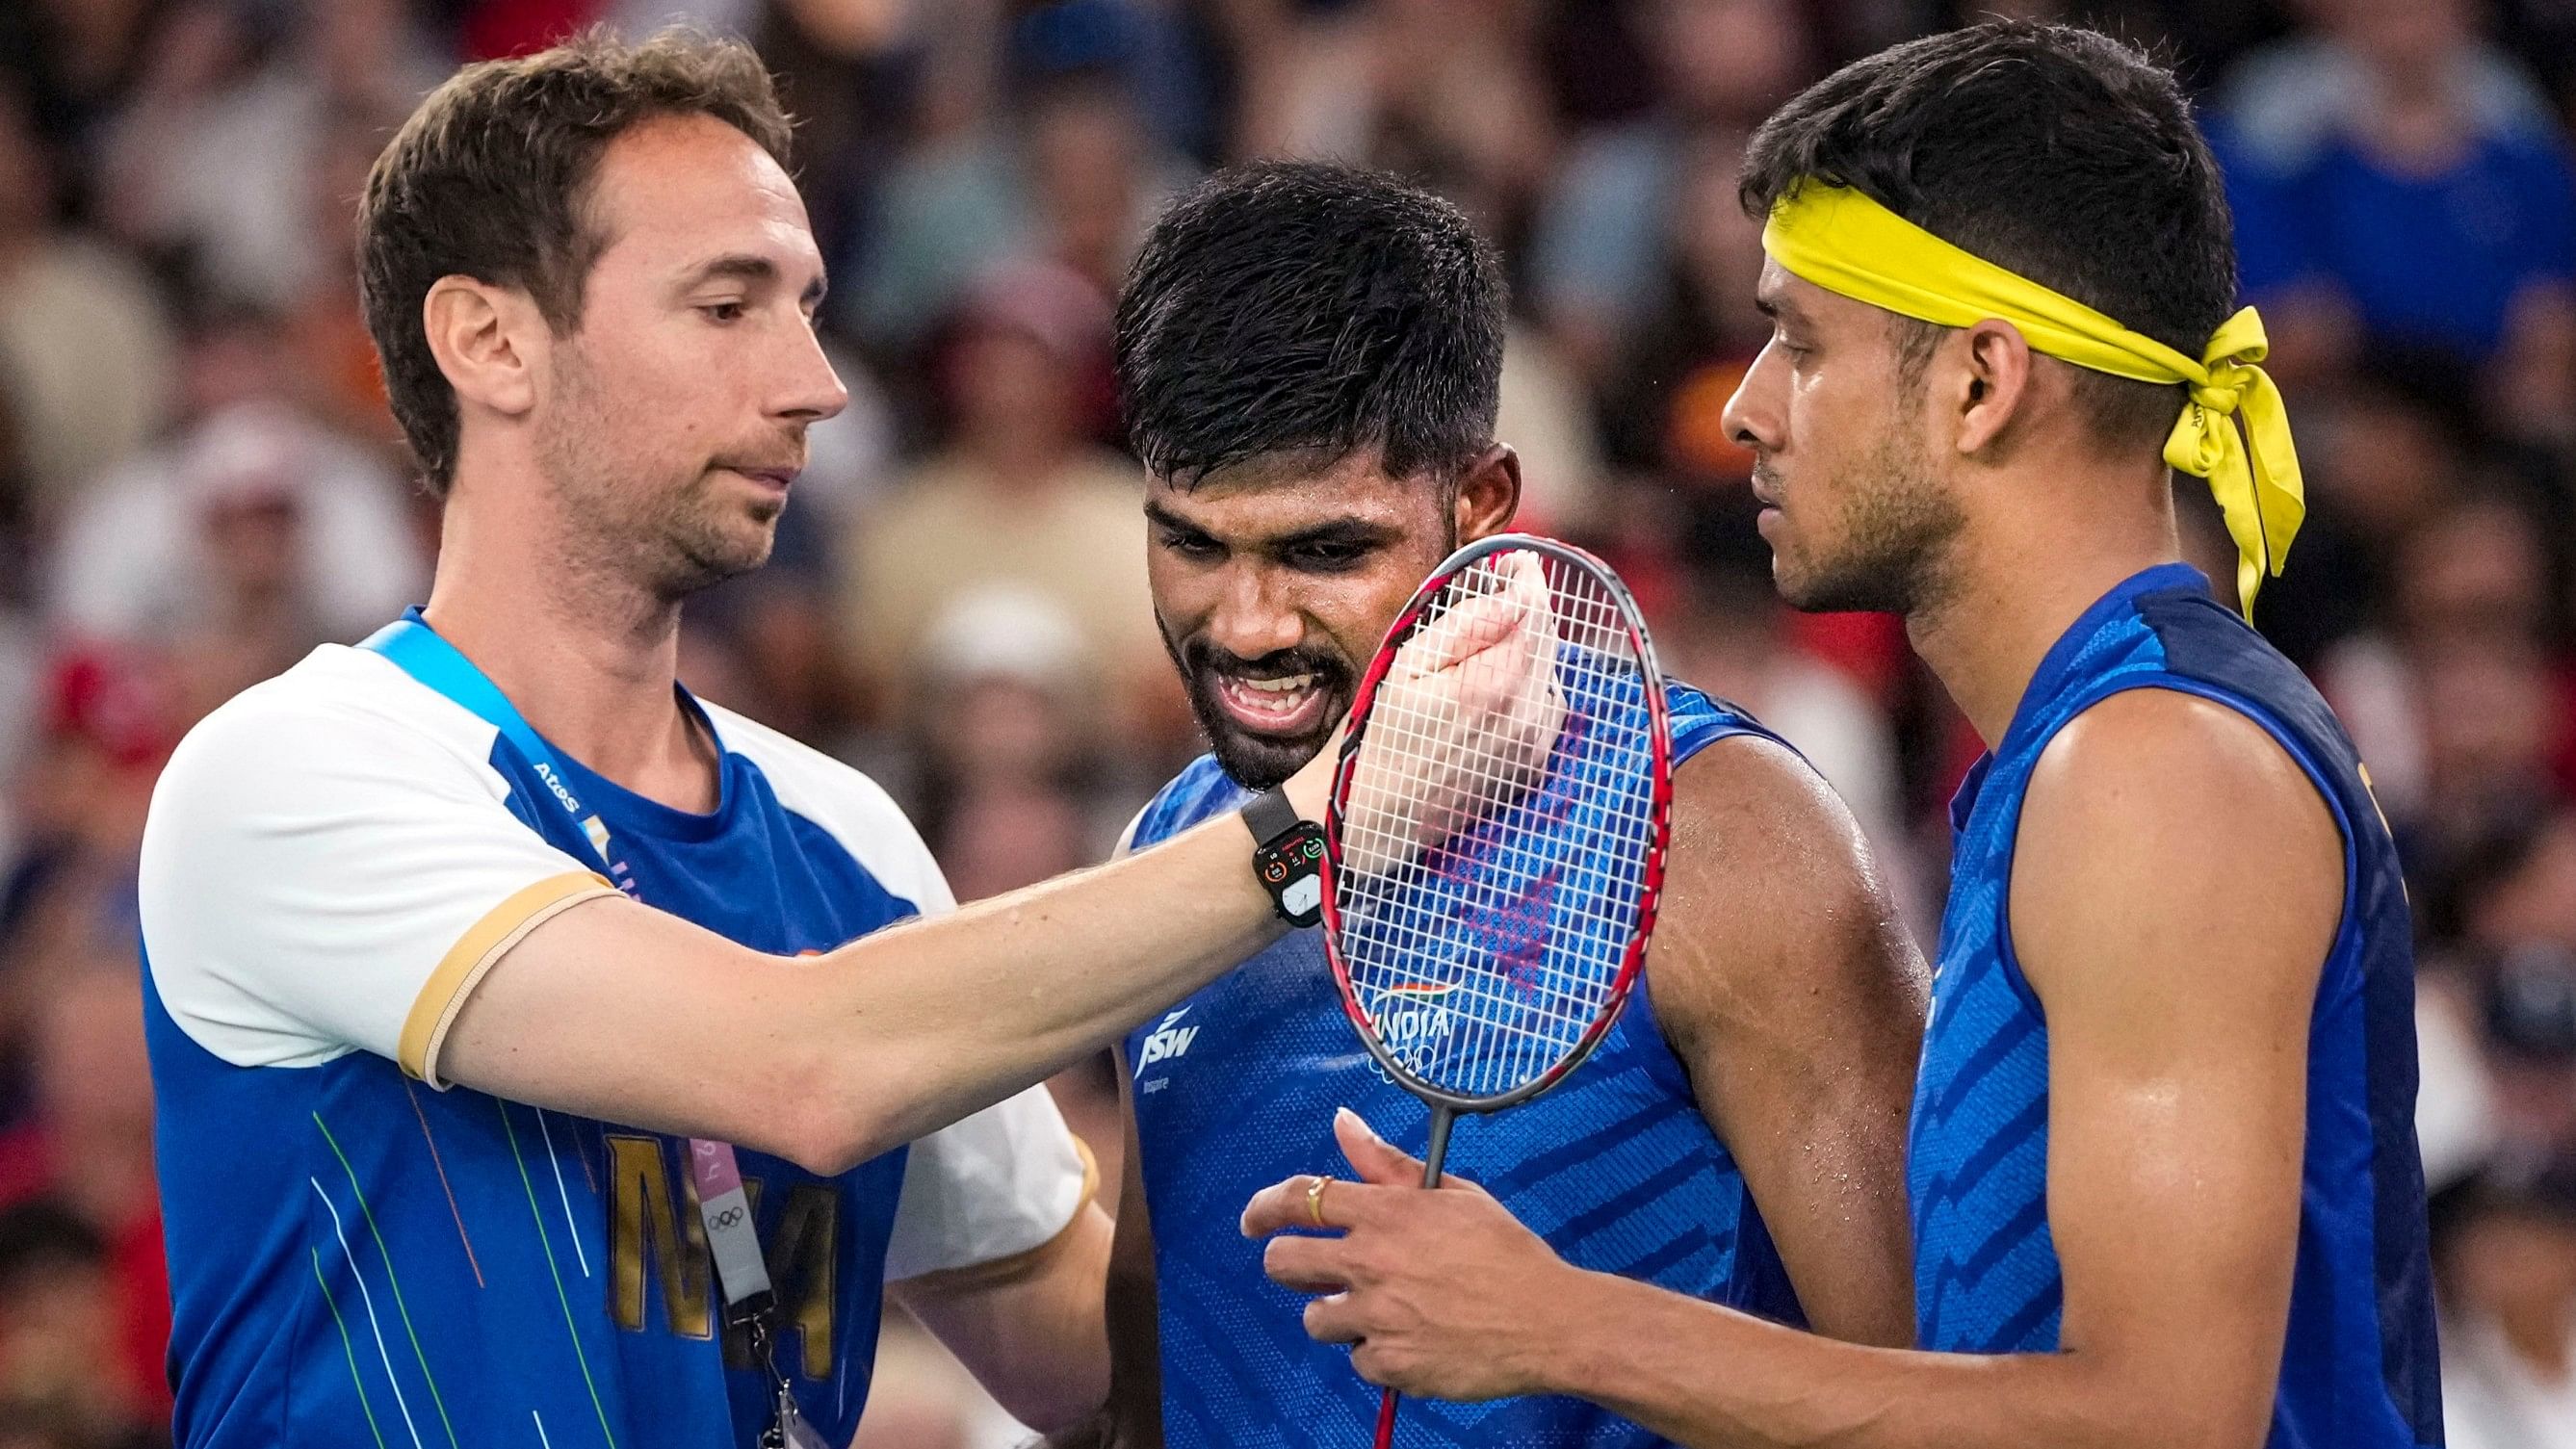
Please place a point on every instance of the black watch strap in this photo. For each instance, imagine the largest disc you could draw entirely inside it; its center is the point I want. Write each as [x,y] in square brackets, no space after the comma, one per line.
[1287,857]
[1271,816]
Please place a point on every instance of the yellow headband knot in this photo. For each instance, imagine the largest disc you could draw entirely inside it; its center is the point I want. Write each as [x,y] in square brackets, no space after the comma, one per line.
[2234,431]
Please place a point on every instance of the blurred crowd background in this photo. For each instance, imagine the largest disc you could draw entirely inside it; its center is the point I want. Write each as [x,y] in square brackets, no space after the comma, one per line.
[199,482]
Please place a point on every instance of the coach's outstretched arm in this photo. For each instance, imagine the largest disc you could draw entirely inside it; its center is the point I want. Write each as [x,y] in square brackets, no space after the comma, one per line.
[2178,1002]
[611,1009]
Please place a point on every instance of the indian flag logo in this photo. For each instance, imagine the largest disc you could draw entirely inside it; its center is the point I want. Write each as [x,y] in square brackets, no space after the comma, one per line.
[1413,1018]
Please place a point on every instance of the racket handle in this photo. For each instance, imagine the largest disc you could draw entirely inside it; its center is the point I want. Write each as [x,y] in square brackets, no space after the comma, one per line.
[1437,1152]
[1433,1155]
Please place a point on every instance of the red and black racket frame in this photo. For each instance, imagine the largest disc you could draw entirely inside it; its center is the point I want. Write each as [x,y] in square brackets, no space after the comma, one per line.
[1447,1106]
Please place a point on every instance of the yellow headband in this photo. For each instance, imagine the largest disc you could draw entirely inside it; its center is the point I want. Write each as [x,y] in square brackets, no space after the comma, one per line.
[1842,241]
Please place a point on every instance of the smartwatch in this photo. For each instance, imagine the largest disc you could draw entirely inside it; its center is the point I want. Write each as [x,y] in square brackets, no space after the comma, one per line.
[1288,856]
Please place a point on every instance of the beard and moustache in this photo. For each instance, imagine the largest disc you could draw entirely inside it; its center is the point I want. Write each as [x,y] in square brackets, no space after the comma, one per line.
[1258,762]
[671,537]
[1895,528]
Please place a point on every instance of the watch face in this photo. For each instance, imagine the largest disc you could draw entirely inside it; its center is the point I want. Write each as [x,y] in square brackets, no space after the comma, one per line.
[1306,893]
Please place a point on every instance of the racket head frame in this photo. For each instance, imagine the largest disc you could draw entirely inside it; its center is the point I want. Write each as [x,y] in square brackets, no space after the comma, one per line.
[1659,827]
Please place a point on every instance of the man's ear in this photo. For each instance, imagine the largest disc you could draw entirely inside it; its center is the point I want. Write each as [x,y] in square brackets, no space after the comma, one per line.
[1991,385]
[1488,494]
[488,341]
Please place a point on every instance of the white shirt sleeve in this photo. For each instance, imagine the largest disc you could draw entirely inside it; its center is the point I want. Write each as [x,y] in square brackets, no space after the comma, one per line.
[320,875]
[995,1186]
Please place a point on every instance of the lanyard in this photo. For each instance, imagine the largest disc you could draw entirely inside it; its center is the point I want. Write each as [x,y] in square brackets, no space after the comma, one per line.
[741,1274]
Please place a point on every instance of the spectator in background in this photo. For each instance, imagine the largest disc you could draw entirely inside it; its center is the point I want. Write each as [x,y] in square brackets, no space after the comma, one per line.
[1011,780]
[1019,496]
[21,667]
[87,1152]
[86,360]
[110,717]
[146,555]
[2496,994]
[57,1330]
[1006,708]
[2529,1046]
[2395,174]
[2530,386]
[844,72]
[2514,884]
[1676,369]
[1070,174]
[331,361]
[2470,579]
[1443,88]
[2504,1247]
[1601,242]
[214,152]
[1729,634]
[2488,723]
[1017,782]
[2387,446]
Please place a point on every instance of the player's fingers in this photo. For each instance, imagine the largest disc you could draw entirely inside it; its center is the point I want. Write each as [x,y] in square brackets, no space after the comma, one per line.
[1280,1205]
[1373,1157]
[1307,1264]
[1298,1203]
[1333,1320]
[1343,1204]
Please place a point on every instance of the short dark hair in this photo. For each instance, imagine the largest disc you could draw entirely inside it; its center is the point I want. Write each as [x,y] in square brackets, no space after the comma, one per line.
[1309,308]
[2055,152]
[490,178]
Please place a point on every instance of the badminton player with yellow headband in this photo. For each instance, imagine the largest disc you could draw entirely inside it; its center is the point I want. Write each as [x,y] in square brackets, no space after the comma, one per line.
[2162,1170]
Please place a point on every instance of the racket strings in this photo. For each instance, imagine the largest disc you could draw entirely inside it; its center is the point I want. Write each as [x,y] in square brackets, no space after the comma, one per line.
[1485,959]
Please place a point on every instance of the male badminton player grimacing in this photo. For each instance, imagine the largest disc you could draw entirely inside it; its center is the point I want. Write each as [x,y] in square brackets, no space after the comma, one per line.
[1310,358]
[2162,1166]
[545,1056]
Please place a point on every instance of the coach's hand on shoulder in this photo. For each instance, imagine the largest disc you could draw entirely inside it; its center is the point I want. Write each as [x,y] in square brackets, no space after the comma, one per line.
[1441,1292]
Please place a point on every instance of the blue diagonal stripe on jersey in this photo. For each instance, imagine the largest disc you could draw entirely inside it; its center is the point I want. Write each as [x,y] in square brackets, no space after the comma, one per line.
[1966,1275]
[1956,1186]
[2014,1331]
[1675,1250]
[1971,1271]
[1592,1220]
[1973,1071]
[1969,963]
[1609,1138]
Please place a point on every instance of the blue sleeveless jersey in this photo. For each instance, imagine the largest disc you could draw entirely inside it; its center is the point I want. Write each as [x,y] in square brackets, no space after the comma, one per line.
[1234,1089]
[2359,1371]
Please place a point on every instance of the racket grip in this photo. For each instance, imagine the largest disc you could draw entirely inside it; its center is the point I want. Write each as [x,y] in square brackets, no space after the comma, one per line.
[1434,1158]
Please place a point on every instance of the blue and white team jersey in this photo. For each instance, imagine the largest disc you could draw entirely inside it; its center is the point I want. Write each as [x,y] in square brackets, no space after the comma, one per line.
[361,1258]
[2360,1369]
[1234,1089]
